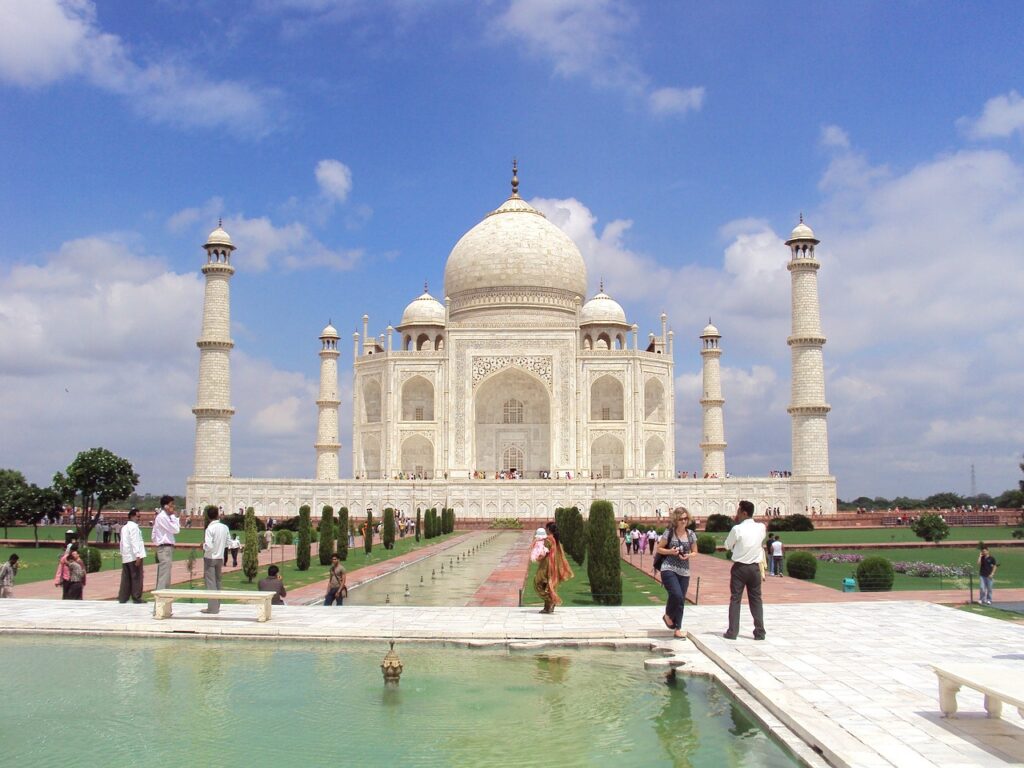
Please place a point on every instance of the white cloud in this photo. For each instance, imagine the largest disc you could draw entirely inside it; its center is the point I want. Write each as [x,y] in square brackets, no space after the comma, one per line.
[335,179]
[44,41]
[834,136]
[591,39]
[1001,117]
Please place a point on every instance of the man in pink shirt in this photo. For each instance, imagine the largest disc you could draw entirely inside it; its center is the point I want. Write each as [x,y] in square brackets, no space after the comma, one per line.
[165,528]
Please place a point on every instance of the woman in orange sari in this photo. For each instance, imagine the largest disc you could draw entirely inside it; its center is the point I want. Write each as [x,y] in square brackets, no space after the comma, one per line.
[552,571]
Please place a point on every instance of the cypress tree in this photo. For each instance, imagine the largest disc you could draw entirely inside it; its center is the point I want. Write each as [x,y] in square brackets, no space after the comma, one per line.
[575,540]
[326,548]
[251,550]
[418,522]
[604,568]
[388,531]
[368,533]
[302,548]
[342,529]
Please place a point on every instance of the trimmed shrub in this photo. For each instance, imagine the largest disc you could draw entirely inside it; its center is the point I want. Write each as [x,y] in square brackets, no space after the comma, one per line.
[574,537]
[342,529]
[387,533]
[604,569]
[326,548]
[419,522]
[718,524]
[251,548]
[288,524]
[930,527]
[302,548]
[368,533]
[786,523]
[706,544]
[92,558]
[284,537]
[875,574]
[236,522]
[802,565]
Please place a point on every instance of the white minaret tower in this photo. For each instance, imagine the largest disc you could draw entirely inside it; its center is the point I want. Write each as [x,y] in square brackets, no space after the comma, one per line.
[713,446]
[327,444]
[213,405]
[807,407]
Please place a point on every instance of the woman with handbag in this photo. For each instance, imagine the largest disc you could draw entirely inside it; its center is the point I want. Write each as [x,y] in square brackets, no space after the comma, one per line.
[676,547]
[552,570]
[337,590]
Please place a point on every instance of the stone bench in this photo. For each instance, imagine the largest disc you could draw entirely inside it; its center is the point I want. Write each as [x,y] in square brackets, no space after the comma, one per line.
[164,599]
[998,684]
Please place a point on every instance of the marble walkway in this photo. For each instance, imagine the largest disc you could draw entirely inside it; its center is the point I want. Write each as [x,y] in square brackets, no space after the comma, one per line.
[852,679]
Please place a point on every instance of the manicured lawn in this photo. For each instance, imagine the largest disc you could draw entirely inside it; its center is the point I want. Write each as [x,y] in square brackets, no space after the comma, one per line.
[637,589]
[993,613]
[884,535]
[56,533]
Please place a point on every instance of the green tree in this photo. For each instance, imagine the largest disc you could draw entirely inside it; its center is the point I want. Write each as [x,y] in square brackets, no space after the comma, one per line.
[343,534]
[302,548]
[12,487]
[388,531]
[251,549]
[326,548]
[93,480]
[947,500]
[930,527]
[604,569]
[368,533]
[575,540]
[418,523]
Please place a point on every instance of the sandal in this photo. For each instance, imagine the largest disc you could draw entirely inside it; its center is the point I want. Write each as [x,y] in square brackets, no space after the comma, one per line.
[668,622]
[680,633]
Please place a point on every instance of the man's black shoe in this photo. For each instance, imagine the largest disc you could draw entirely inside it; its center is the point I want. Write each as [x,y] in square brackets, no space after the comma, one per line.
[727,636]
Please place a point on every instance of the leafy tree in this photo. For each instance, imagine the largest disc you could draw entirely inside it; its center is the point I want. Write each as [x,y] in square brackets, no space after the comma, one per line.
[302,548]
[604,568]
[718,523]
[418,523]
[93,480]
[943,500]
[930,527]
[368,533]
[12,486]
[342,529]
[251,549]
[326,548]
[575,537]
[388,531]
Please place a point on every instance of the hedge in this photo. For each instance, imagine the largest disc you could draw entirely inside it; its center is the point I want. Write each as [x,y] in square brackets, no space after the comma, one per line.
[802,565]
[718,524]
[387,533]
[326,548]
[707,544]
[604,566]
[302,548]
[875,574]
[251,549]
[368,533]
[342,529]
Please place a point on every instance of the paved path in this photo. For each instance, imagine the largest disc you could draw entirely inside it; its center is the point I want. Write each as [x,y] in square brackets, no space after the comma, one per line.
[503,585]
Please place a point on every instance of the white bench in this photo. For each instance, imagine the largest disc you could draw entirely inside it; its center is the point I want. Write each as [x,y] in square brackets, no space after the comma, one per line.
[998,683]
[164,599]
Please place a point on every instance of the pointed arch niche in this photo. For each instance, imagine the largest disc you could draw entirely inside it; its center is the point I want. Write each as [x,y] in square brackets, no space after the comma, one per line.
[512,411]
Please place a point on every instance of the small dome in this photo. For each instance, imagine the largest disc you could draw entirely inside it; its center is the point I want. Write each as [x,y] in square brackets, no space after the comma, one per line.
[710,330]
[219,237]
[330,332]
[801,232]
[602,310]
[423,310]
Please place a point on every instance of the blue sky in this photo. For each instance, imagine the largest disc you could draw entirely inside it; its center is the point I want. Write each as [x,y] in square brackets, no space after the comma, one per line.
[348,145]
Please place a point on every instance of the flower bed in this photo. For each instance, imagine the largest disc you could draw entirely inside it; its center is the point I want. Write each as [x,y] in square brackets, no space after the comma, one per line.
[908,568]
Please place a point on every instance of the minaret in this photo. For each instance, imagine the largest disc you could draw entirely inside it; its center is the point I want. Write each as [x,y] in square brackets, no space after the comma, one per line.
[807,407]
[713,446]
[213,407]
[327,444]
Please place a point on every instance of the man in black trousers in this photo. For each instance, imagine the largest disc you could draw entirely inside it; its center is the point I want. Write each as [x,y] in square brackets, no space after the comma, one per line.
[746,542]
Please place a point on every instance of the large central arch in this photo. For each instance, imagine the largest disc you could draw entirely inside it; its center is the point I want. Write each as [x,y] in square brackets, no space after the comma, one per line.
[513,418]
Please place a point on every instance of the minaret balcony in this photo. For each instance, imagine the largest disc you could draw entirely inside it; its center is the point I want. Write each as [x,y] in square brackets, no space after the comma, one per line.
[218,268]
[712,401]
[215,344]
[806,340]
[803,264]
[328,403]
[809,410]
[198,411]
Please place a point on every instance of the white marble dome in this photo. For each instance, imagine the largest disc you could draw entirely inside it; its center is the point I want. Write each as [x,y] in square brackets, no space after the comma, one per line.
[423,310]
[801,232]
[330,332]
[710,330]
[515,251]
[602,310]
[219,237]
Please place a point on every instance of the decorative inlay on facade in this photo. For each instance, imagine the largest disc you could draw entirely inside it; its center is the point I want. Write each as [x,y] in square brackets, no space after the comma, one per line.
[619,375]
[536,364]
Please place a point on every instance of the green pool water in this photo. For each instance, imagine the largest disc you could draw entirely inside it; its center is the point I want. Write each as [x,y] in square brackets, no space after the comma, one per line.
[154,703]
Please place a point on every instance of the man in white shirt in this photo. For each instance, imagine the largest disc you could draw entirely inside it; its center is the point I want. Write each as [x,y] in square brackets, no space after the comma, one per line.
[132,553]
[777,556]
[234,545]
[165,528]
[745,541]
[214,543]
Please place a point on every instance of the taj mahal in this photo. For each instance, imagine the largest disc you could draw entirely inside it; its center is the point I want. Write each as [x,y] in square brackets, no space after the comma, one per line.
[514,395]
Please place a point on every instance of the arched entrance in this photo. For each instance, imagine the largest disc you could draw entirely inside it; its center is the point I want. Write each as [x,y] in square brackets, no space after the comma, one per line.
[513,425]
[417,457]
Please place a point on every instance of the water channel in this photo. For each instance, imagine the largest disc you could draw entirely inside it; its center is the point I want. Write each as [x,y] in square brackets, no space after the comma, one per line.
[450,577]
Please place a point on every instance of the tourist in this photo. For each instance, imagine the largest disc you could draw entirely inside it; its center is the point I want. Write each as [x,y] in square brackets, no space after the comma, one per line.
[777,556]
[274,583]
[7,573]
[627,539]
[62,578]
[214,543]
[233,546]
[652,540]
[768,554]
[76,575]
[133,552]
[622,529]
[337,585]
[165,528]
[552,571]
[987,567]
[745,541]
[117,531]
[678,545]
[643,541]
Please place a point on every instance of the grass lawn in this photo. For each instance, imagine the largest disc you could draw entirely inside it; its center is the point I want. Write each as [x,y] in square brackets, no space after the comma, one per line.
[637,589]
[56,533]
[885,535]
[993,613]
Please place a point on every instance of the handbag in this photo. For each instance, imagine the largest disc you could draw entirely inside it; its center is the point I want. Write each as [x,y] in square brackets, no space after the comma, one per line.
[658,557]
[344,592]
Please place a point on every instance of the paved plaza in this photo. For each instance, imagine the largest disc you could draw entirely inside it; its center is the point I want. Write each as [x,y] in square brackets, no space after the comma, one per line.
[852,679]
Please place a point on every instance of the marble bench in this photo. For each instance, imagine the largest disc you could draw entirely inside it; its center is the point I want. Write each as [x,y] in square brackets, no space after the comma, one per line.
[999,684]
[164,599]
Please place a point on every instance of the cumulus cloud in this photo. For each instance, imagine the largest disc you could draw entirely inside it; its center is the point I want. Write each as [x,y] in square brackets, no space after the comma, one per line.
[97,347]
[334,179]
[1001,117]
[45,41]
[591,39]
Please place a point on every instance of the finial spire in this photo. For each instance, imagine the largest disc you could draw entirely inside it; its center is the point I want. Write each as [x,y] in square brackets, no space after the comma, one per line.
[425,287]
[220,221]
[600,288]
[515,178]
[801,217]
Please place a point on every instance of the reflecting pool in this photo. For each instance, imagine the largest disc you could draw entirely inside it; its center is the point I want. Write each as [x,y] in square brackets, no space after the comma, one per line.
[83,702]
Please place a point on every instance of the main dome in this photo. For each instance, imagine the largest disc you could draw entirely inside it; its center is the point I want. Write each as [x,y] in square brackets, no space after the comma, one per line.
[515,255]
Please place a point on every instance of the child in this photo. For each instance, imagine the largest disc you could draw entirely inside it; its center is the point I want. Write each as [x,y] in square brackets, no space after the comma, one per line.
[540,548]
